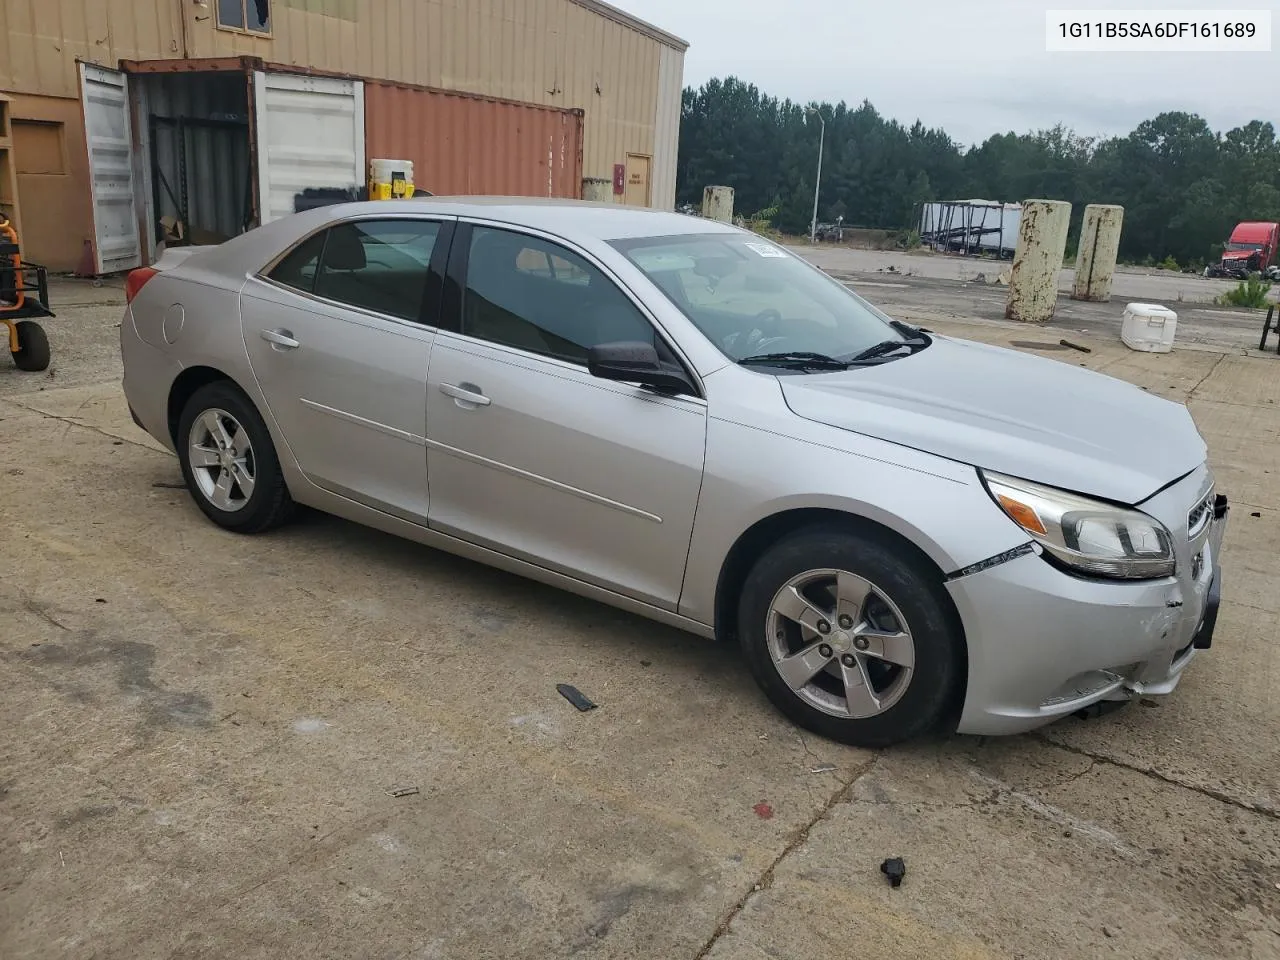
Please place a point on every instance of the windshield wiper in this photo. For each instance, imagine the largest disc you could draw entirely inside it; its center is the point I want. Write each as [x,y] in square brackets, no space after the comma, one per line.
[908,331]
[803,359]
[879,350]
[913,340]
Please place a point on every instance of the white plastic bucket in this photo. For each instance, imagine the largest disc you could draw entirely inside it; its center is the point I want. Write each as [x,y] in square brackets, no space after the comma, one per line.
[381,171]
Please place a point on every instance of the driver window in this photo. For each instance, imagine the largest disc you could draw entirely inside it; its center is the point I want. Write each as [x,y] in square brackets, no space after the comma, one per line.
[535,295]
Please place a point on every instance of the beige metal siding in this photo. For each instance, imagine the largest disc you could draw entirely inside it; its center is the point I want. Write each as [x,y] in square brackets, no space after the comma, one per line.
[666,127]
[40,40]
[466,144]
[561,53]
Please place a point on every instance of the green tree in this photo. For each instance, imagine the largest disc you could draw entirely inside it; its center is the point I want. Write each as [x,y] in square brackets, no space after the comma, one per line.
[1182,185]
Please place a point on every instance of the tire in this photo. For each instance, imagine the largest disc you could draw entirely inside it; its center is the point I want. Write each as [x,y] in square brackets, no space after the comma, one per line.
[899,597]
[33,353]
[254,497]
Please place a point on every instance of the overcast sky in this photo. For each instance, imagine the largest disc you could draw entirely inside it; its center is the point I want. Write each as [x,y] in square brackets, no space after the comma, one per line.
[973,67]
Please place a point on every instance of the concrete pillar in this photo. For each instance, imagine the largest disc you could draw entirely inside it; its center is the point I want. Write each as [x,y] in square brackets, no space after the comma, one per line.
[717,203]
[1033,279]
[598,189]
[1099,247]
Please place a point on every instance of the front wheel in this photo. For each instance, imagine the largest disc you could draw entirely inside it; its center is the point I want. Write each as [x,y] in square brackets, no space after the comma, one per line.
[33,354]
[850,638]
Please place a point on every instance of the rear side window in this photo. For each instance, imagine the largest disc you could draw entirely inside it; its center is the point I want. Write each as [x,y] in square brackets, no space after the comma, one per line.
[298,269]
[378,265]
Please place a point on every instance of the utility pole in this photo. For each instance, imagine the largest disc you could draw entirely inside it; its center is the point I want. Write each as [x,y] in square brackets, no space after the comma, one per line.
[817,186]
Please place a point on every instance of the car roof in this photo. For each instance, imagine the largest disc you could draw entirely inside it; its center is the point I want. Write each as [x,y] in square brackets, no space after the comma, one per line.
[582,218]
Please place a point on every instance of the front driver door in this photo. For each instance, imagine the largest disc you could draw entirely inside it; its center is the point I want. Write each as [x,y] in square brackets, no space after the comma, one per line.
[530,454]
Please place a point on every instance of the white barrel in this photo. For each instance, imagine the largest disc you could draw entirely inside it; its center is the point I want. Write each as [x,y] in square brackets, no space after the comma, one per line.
[717,204]
[597,189]
[1033,278]
[1099,248]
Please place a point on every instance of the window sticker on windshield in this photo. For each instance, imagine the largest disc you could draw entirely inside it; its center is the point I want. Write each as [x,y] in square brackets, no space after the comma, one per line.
[765,249]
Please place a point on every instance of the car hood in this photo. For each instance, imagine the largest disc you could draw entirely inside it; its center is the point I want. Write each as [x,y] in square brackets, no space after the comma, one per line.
[1239,254]
[1015,413]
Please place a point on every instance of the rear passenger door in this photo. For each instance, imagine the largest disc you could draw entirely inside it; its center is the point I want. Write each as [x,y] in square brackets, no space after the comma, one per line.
[339,334]
[529,454]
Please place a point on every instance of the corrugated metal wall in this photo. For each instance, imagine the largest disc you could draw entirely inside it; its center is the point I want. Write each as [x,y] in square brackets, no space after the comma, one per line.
[462,144]
[666,127]
[550,52]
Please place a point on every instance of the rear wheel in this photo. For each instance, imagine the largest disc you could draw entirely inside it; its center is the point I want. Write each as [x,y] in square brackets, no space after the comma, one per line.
[849,638]
[33,353]
[229,462]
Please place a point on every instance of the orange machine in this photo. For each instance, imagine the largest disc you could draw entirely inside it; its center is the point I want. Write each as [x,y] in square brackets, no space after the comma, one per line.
[24,293]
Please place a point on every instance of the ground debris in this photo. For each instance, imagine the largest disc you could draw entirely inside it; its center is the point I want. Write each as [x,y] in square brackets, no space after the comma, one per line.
[894,868]
[823,768]
[575,696]
[403,792]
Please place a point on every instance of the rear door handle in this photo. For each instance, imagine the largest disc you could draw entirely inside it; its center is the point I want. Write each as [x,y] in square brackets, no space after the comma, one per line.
[467,394]
[280,338]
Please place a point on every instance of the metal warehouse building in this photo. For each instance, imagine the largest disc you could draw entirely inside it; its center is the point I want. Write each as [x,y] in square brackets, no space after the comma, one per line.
[129,116]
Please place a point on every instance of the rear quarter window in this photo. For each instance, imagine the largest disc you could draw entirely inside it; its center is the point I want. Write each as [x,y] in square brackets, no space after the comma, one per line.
[298,269]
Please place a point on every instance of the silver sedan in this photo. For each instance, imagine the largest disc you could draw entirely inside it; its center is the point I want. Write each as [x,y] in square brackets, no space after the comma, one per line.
[903,531]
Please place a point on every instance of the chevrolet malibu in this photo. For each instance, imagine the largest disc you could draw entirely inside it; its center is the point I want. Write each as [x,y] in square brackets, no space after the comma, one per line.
[902,530]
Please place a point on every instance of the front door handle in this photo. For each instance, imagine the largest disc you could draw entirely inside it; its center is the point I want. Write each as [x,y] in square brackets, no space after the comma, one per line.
[280,338]
[467,393]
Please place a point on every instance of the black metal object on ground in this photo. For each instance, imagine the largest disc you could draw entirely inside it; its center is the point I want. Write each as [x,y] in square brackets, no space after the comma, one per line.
[575,696]
[1267,328]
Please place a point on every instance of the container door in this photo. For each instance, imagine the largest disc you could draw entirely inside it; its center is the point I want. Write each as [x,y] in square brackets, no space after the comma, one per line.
[309,133]
[104,96]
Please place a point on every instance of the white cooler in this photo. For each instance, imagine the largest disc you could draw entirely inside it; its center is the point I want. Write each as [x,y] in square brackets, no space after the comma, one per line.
[1149,327]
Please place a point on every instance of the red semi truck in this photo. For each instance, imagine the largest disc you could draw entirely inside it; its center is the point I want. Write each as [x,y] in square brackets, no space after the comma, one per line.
[1251,248]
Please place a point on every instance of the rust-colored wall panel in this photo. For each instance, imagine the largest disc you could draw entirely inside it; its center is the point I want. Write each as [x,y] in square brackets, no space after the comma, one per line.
[465,144]
[48,136]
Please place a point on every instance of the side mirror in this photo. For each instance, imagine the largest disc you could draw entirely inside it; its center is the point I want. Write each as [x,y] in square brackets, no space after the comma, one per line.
[637,362]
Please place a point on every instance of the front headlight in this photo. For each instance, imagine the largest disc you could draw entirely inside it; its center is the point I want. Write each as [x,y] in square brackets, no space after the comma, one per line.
[1088,536]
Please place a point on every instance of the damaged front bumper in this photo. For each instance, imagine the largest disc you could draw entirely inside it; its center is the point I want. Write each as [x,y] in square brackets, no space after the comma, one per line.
[1044,644]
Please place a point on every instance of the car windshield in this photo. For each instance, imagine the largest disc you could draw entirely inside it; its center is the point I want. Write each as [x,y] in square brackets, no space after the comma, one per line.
[1244,246]
[753,299]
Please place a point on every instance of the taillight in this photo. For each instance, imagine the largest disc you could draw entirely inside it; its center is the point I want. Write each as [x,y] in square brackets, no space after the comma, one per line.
[136,280]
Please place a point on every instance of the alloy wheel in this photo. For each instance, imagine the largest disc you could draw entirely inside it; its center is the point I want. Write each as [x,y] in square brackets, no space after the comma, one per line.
[222,461]
[840,643]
